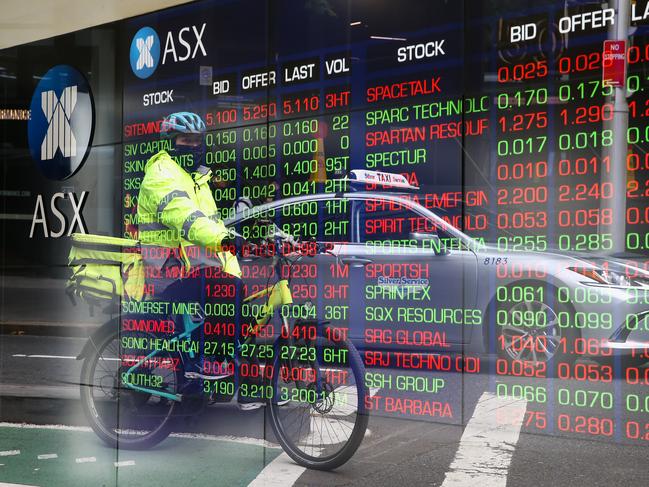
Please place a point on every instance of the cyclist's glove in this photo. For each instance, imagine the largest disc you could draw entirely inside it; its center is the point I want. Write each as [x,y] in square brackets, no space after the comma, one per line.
[233,244]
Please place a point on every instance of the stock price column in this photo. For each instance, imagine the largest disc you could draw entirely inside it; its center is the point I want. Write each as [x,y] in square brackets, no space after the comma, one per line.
[634,400]
[314,156]
[523,150]
[413,120]
[573,206]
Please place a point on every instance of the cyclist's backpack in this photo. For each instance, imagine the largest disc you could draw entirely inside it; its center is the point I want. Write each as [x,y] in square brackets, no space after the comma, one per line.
[105,269]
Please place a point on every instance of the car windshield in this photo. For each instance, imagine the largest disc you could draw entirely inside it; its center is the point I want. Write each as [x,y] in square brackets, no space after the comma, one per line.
[367,218]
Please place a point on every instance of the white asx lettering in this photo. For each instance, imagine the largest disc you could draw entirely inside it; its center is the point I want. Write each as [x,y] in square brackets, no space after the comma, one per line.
[170,45]
[40,215]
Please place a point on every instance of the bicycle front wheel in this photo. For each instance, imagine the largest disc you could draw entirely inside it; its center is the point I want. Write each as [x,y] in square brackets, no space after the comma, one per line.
[318,408]
[121,416]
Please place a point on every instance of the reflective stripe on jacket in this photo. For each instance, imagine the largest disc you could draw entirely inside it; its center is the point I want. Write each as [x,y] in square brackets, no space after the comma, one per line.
[176,209]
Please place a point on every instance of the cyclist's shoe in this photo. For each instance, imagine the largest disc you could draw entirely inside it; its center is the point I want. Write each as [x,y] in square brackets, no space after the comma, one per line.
[248,403]
[195,371]
[250,406]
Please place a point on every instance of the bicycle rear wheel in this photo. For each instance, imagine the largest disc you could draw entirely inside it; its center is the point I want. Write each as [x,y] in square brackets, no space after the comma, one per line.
[318,408]
[121,416]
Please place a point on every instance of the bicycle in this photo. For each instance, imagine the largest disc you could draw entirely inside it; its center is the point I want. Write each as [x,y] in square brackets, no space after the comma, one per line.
[312,383]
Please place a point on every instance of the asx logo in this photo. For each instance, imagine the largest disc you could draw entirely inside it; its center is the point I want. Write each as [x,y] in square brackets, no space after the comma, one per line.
[145,52]
[62,123]
[59,134]
[179,45]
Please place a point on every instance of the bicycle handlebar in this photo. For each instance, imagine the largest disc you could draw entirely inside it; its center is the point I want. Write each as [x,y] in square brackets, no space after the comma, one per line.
[283,244]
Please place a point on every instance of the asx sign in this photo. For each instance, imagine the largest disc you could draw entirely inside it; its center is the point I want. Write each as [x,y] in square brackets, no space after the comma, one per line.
[180,45]
[66,226]
[62,122]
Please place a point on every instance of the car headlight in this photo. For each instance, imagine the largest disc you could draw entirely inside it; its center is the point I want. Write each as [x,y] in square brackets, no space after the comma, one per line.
[612,278]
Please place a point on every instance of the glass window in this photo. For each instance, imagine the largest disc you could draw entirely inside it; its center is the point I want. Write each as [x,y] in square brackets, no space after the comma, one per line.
[378,221]
[320,220]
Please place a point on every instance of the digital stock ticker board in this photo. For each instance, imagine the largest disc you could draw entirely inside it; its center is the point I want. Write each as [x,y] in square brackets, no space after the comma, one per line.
[511,248]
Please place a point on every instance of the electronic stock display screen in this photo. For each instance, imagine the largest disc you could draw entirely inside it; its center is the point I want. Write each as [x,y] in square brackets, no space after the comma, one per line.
[498,113]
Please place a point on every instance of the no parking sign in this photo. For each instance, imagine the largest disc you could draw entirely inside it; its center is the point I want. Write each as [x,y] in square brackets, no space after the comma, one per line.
[614,63]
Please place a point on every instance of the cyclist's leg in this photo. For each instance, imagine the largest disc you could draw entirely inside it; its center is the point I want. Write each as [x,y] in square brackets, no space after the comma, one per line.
[180,292]
[219,293]
[140,332]
[248,373]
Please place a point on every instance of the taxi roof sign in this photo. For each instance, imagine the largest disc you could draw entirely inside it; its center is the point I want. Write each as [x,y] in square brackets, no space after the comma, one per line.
[378,177]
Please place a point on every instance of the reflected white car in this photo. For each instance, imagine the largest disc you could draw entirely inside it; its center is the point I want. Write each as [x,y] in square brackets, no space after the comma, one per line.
[400,277]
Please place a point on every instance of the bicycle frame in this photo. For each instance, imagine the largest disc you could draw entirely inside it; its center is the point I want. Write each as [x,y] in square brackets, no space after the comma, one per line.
[278,294]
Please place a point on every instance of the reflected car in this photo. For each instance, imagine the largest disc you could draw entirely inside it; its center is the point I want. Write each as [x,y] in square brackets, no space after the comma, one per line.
[401,277]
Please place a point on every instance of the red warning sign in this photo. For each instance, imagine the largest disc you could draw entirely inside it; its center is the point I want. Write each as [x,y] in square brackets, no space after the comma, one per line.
[614,63]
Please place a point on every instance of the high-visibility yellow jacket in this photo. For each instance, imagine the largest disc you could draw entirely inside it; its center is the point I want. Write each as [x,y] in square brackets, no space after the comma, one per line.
[177,210]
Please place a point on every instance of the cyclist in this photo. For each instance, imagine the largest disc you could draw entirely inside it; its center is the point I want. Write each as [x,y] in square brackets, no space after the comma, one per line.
[177,213]
[176,209]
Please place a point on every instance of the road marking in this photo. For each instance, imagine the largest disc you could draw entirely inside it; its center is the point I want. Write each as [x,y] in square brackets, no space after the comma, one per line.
[283,470]
[40,391]
[244,440]
[2,484]
[9,453]
[85,460]
[190,436]
[47,456]
[62,427]
[486,447]
[325,431]
[280,472]
[66,357]
[125,463]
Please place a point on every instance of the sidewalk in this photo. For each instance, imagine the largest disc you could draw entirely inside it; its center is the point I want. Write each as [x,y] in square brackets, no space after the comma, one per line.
[48,328]
[39,306]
